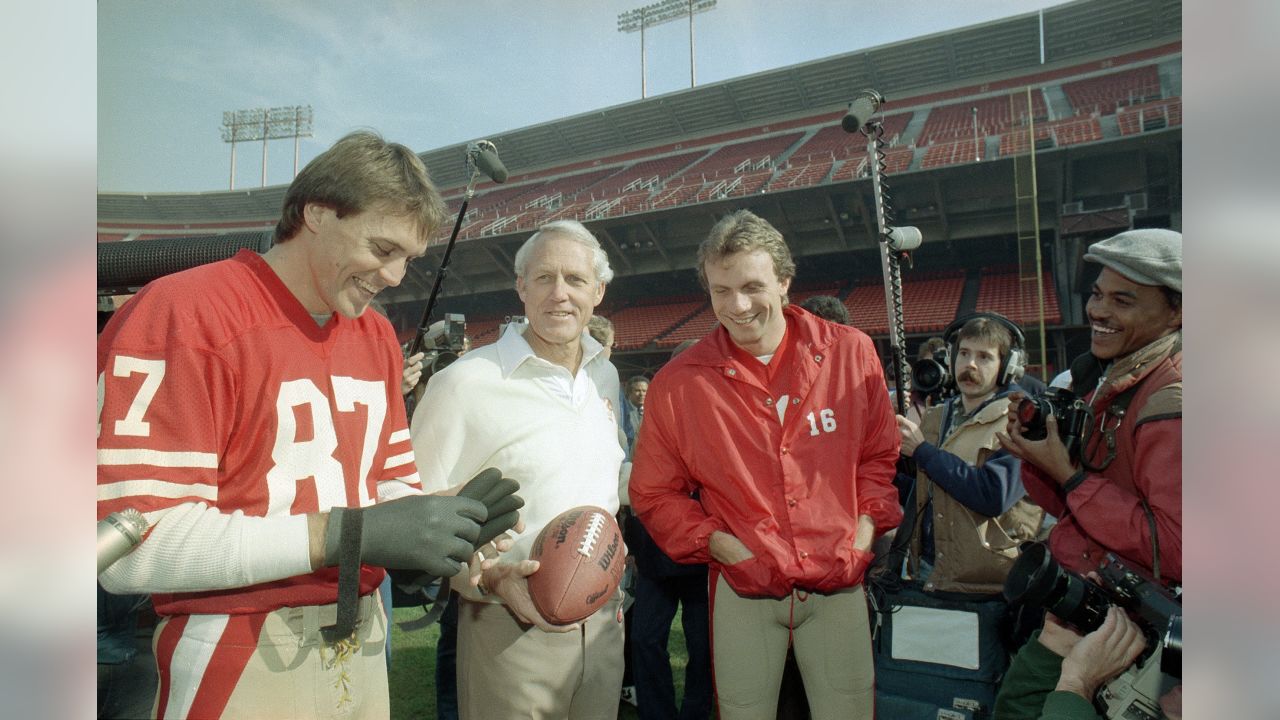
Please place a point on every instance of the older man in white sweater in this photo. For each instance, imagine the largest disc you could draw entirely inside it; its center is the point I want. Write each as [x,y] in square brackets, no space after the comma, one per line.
[539,405]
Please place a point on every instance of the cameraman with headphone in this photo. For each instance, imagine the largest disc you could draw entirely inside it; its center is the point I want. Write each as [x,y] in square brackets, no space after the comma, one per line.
[968,503]
[969,499]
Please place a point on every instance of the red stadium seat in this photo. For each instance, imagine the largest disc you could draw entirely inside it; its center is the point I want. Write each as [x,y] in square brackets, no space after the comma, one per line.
[1107,93]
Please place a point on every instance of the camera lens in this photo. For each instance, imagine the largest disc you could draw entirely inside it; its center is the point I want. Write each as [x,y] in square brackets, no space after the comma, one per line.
[927,376]
[1038,580]
[1031,416]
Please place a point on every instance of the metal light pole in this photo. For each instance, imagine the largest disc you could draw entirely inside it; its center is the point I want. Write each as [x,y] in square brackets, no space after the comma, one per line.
[977,153]
[265,124]
[640,18]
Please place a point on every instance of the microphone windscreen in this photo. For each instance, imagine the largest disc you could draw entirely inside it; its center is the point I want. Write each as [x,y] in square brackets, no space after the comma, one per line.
[905,237]
[860,110]
[489,164]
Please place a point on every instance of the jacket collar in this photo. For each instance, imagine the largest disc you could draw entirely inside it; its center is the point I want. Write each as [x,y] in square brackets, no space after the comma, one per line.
[717,349]
[1123,373]
[514,350]
[994,408]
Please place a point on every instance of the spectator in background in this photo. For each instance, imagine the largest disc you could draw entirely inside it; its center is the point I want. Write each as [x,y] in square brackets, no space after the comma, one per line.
[227,400]
[781,423]
[662,586]
[827,308]
[446,676]
[538,404]
[637,387]
[601,328]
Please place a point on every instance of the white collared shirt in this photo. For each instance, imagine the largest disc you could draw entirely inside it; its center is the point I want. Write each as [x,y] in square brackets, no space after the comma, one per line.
[515,354]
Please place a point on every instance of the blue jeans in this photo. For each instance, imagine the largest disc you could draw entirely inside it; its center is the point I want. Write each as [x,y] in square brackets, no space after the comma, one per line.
[654,609]
[117,626]
[447,660]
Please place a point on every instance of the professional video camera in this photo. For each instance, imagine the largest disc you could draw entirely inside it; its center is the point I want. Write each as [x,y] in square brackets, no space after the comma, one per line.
[1038,580]
[443,342]
[932,375]
[1073,415]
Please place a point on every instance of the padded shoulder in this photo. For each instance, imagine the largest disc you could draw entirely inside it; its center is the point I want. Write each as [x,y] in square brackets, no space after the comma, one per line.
[1163,404]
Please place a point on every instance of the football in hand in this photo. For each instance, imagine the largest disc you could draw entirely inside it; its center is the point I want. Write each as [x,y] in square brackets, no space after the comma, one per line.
[582,557]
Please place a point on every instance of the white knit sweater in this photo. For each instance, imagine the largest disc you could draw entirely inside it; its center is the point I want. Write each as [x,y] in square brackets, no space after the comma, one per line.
[497,407]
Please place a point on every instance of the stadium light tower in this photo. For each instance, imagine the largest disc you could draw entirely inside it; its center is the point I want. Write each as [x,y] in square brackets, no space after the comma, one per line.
[656,14]
[265,124]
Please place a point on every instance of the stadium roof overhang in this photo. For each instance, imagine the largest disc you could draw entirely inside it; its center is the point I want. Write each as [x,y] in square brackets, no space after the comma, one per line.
[913,67]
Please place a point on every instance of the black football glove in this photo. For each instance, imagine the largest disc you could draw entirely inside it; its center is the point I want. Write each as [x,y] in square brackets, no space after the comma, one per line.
[499,498]
[429,533]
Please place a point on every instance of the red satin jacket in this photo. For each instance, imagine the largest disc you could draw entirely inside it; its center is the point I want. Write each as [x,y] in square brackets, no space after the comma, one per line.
[785,456]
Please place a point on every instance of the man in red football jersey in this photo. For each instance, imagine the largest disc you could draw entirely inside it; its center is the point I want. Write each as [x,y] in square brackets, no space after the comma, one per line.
[250,410]
[781,424]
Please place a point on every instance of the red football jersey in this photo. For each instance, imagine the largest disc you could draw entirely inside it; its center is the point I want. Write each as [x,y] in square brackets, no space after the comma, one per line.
[215,385]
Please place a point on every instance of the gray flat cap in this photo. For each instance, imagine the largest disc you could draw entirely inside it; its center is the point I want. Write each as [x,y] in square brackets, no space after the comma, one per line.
[1148,257]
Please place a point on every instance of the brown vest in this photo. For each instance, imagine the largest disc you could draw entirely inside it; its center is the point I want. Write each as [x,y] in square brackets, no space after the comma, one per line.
[972,552]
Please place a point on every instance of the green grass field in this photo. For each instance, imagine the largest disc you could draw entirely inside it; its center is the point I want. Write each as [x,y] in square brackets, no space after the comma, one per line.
[413,668]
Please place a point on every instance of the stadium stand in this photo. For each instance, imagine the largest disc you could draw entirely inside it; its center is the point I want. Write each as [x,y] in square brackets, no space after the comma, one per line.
[1150,116]
[638,325]
[1057,133]
[833,142]
[1107,93]
[735,158]
[995,115]
[1006,292]
[804,175]
[693,328]
[650,176]
[929,303]
[951,153]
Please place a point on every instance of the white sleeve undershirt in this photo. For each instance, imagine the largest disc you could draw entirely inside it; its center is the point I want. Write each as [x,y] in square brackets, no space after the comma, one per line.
[194,547]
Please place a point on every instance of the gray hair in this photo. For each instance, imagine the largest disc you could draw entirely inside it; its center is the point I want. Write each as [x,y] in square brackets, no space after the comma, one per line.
[573,230]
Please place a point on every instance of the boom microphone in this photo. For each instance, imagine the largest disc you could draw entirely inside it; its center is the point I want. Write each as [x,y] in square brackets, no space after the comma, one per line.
[118,533]
[485,156]
[861,108]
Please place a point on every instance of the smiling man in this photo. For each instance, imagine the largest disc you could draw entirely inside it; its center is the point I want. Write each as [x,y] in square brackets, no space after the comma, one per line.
[780,421]
[970,507]
[1125,496]
[538,403]
[969,496]
[250,409]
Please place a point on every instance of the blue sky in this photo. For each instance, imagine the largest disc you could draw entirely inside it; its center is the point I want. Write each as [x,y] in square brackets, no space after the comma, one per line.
[430,74]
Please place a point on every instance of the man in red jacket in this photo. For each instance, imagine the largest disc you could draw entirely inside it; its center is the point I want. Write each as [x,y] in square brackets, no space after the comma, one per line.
[781,422]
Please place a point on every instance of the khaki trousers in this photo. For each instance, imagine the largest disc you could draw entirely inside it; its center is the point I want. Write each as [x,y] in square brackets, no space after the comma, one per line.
[507,670]
[832,639]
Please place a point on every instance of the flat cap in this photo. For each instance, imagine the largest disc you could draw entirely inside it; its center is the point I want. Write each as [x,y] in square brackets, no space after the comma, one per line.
[1150,256]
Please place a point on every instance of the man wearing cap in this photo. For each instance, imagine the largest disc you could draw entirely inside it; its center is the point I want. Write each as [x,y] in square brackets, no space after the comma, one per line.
[1124,494]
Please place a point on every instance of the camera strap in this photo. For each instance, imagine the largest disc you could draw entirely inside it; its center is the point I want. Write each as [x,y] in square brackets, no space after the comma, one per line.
[1108,424]
[1116,410]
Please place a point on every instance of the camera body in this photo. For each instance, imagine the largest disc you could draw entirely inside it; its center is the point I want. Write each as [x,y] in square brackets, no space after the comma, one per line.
[1038,580]
[444,341]
[1072,413]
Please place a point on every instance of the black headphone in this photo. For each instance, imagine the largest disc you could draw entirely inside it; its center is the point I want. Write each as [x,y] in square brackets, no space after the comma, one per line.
[1011,367]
